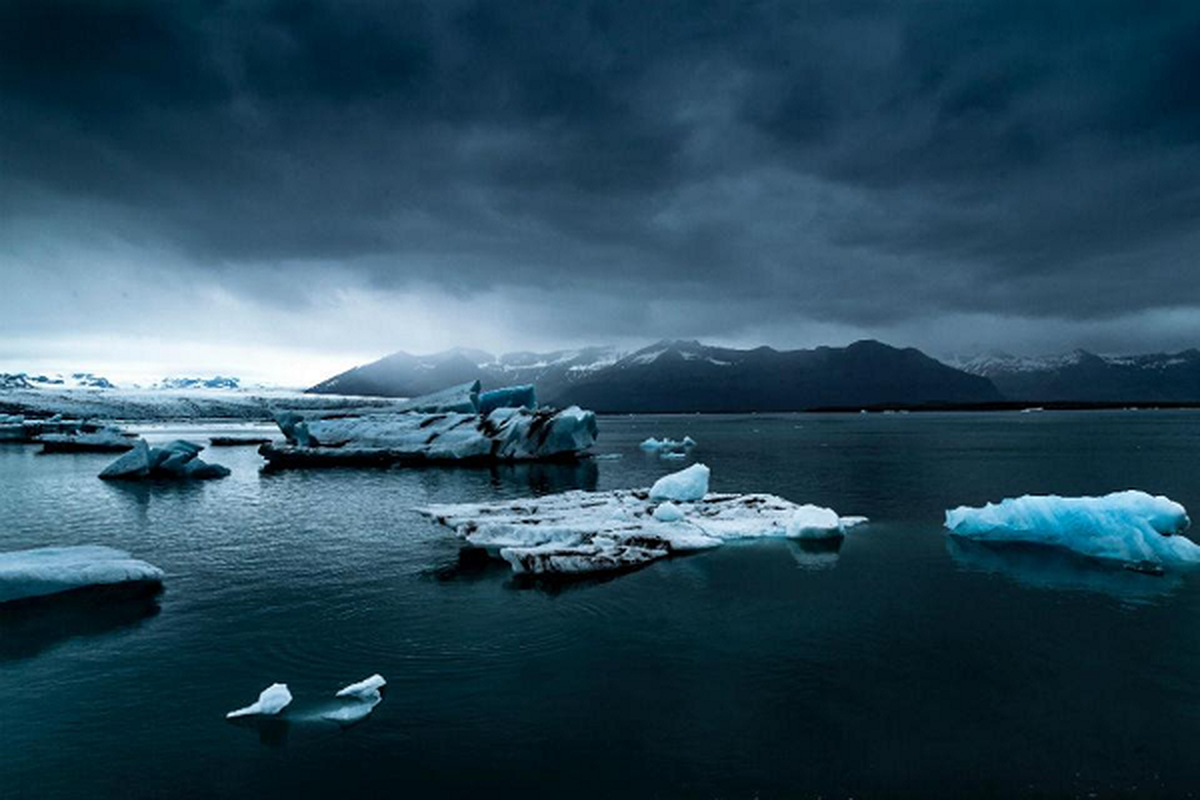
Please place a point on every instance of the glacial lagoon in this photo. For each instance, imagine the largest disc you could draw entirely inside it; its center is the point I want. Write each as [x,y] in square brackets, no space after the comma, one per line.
[898,662]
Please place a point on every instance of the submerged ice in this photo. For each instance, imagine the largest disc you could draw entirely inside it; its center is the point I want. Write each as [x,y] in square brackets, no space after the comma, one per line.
[1129,527]
[586,532]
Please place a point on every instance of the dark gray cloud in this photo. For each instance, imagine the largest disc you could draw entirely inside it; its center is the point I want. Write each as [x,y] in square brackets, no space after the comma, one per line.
[719,169]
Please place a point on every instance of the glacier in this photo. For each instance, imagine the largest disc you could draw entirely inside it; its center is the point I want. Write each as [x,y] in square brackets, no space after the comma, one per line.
[271,701]
[445,434]
[1130,527]
[44,571]
[580,533]
[175,460]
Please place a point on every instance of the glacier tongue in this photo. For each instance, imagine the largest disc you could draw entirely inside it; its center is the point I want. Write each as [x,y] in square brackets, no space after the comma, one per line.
[587,532]
[1129,527]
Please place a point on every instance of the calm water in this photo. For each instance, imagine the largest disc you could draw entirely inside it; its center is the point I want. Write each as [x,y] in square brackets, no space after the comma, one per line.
[898,665]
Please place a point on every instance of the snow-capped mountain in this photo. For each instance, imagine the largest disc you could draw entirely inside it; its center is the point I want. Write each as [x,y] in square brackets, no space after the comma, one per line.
[215,382]
[405,375]
[74,380]
[672,376]
[1081,376]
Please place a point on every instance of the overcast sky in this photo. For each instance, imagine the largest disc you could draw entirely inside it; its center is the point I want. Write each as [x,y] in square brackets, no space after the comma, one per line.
[281,190]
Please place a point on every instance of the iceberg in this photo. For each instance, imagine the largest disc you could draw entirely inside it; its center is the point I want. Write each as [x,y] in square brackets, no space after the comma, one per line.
[578,533]
[463,399]
[687,485]
[524,396]
[271,701]
[504,434]
[175,460]
[1129,527]
[43,571]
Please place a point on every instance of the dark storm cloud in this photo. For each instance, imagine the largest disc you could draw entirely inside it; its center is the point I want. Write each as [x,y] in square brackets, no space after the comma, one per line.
[853,163]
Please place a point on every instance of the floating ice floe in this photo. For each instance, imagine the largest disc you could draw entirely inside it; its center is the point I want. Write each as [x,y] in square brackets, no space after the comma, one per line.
[463,428]
[44,571]
[587,532]
[271,701]
[357,701]
[668,447]
[1131,527]
[175,460]
[88,439]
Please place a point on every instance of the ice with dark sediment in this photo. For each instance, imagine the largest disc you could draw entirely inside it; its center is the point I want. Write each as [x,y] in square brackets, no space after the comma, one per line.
[455,425]
[588,532]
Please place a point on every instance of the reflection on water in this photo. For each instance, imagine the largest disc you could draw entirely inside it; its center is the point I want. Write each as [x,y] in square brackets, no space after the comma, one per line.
[815,554]
[31,627]
[1054,568]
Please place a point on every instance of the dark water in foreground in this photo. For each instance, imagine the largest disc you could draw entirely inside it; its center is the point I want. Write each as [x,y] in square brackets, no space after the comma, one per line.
[898,665]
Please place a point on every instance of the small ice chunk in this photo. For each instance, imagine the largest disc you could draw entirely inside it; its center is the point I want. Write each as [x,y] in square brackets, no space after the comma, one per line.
[686,486]
[1131,527]
[271,701]
[666,445]
[668,512]
[814,522]
[363,688]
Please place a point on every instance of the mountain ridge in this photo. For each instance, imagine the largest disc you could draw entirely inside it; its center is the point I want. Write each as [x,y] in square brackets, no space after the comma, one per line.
[684,375]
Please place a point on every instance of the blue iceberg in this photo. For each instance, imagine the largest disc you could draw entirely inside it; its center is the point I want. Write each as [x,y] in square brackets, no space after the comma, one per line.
[1130,527]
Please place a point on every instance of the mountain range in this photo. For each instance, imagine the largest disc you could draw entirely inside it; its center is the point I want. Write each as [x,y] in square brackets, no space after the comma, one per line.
[1080,376]
[685,376]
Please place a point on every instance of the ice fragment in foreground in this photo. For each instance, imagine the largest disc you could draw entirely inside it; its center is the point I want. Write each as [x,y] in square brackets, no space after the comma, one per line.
[271,701]
[1131,527]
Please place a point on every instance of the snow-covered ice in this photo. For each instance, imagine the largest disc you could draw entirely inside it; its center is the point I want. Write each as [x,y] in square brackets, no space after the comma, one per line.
[271,701]
[687,485]
[45,571]
[463,399]
[175,460]
[1130,527]
[586,532]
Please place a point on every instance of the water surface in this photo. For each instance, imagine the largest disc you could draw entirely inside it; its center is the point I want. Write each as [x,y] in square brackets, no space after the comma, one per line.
[897,664]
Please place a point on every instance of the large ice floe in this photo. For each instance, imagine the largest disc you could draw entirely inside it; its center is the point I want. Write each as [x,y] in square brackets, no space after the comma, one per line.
[577,533]
[1131,528]
[45,571]
[455,425]
[175,460]
[87,439]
